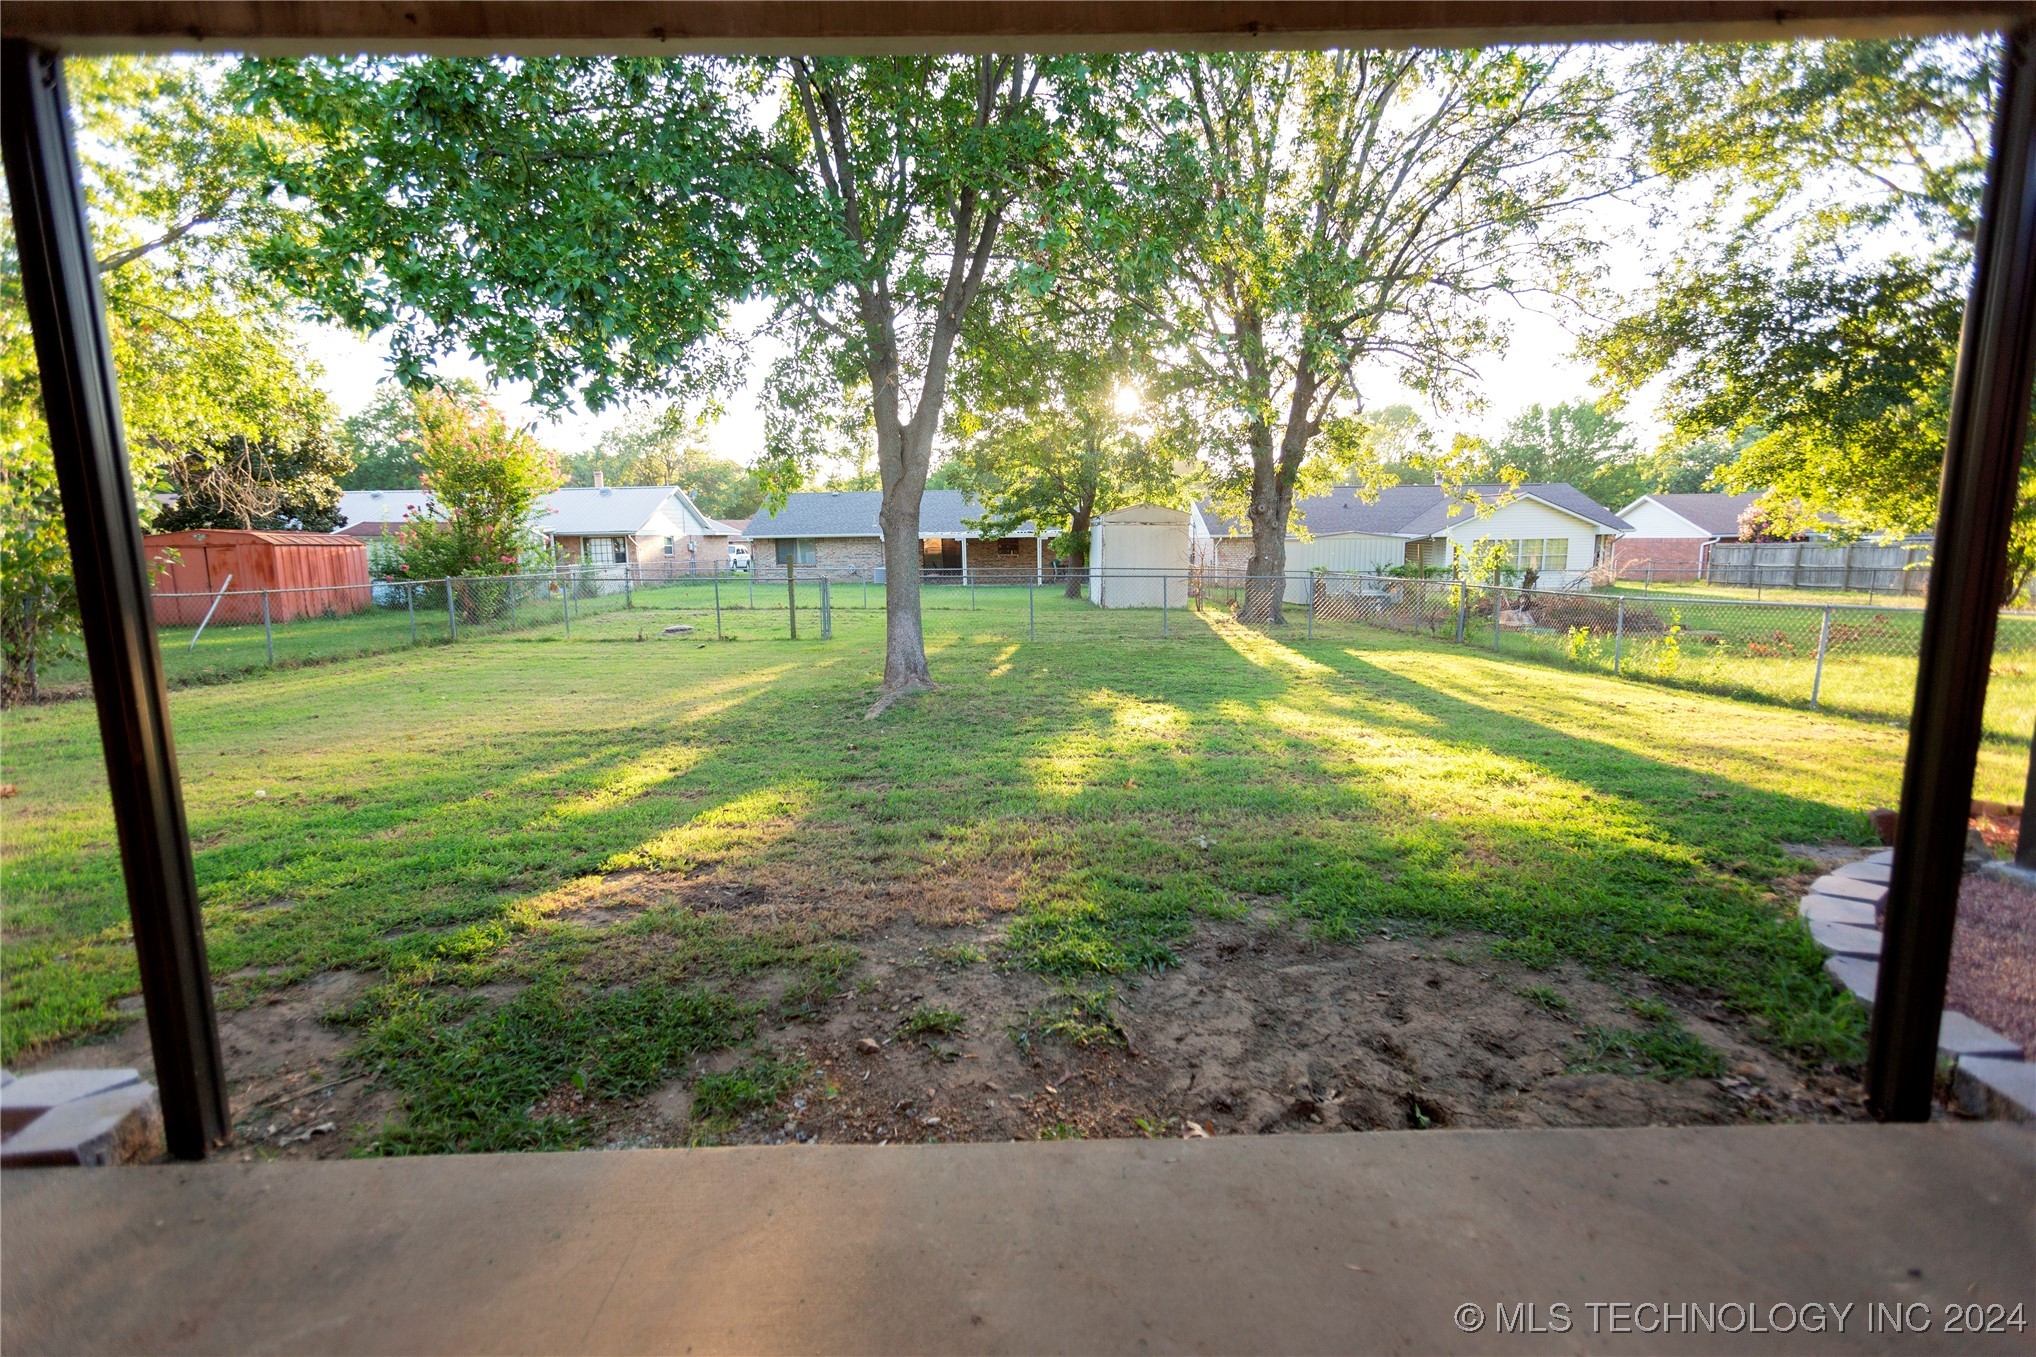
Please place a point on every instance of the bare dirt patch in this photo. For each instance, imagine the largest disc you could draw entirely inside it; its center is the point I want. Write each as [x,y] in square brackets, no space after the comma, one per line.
[1261,1029]
[290,1091]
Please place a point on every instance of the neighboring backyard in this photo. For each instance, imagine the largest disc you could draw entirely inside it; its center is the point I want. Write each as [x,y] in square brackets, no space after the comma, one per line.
[532,892]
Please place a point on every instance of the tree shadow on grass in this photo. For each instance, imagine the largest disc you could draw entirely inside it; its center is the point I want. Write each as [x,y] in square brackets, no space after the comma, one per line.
[1111,794]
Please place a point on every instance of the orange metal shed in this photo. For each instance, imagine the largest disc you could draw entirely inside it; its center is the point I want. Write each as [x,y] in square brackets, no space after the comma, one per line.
[306,574]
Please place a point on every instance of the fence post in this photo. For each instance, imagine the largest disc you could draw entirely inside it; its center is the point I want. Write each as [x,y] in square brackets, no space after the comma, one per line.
[1498,606]
[452,616]
[1619,638]
[1163,582]
[972,593]
[1031,612]
[826,611]
[792,595]
[865,595]
[628,594]
[1823,644]
[1311,609]
[410,606]
[1462,608]
[717,608]
[510,582]
[268,636]
[565,604]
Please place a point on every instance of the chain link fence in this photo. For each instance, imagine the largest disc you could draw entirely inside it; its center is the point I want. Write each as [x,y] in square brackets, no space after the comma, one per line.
[1845,658]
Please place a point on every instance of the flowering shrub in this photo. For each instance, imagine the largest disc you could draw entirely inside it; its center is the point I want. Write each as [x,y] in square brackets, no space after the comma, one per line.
[484,480]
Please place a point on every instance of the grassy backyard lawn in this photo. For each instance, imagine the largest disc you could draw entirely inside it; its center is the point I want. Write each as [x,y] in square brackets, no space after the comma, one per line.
[564,879]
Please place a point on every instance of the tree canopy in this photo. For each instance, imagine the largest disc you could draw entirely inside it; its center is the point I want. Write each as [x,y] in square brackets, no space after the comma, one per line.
[1811,317]
[208,365]
[1297,216]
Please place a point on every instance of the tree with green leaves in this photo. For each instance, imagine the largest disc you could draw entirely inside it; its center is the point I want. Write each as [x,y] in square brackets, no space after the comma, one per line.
[669,447]
[483,480]
[583,225]
[202,345]
[381,440]
[1399,443]
[1576,441]
[1812,315]
[908,170]
[287,476]
[1296,216]
[1049,424]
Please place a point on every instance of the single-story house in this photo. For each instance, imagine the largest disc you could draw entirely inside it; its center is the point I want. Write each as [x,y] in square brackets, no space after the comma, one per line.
[1551,528]
[1673,535]
[835,533]
[655,527]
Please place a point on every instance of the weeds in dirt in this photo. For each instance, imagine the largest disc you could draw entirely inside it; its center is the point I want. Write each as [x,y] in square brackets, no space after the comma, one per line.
[957,954]
[1060,1130]
[472,1083]
[1664,1048]
[1542,996]
[722,1099]
[928,1020]
[1075,1016]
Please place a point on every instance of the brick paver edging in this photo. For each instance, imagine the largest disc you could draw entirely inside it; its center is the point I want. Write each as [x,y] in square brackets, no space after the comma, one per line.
[1841,909]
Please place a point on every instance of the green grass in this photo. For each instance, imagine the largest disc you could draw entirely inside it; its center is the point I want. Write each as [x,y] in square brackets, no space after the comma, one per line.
[434,818]
[720,1100]
[1699,589]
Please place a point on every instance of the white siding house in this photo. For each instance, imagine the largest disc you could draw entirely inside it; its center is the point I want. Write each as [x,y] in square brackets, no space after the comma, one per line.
[1552,529]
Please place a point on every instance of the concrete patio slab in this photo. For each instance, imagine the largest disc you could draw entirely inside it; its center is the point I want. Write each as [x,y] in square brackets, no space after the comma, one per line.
[1330,1243]
[1886,855]
[1876,872]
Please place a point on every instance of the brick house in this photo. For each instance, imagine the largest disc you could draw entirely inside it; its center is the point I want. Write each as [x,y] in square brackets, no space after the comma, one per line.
[835,533]
[1673,535]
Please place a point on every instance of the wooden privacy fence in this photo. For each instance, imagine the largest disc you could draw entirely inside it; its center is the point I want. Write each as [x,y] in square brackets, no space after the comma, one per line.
[1900,568]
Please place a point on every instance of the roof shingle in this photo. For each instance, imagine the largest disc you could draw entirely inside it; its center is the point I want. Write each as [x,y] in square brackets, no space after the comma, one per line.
[1419,510]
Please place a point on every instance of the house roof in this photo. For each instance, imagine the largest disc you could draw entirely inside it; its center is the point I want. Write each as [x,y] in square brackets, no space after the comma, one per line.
[578,511]
[1419,510]
[853,513]
[1716,514]
[575,511]
[382,506]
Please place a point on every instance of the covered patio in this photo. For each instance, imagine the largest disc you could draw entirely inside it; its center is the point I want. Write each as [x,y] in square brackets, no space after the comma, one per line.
[1425,1240]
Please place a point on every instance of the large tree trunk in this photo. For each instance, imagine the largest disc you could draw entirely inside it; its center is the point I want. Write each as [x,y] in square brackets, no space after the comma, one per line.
[1272,497]
[904,473]
[1266,588]
[1078,557]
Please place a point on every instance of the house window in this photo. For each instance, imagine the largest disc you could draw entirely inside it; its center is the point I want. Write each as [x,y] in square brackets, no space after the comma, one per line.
[1539,553]
[795,551]
[605,550]
[671,547]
